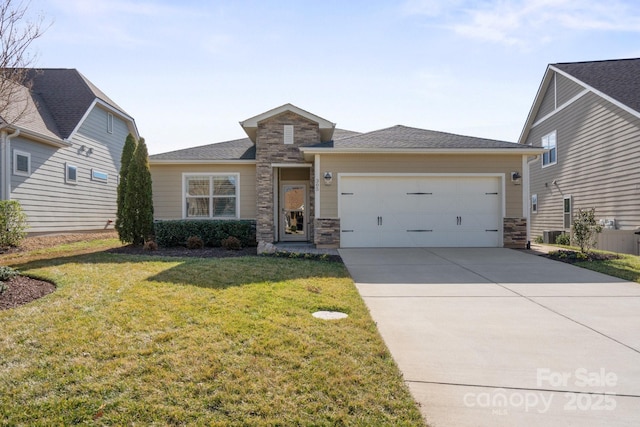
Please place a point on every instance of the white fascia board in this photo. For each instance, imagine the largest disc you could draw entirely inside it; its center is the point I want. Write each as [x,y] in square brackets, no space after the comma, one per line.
[502,151]
[201,162]
[42,138]
[597,92]
[536,105]
[112,110]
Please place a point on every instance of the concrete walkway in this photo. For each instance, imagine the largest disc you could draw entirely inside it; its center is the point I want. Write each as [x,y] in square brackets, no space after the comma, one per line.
[498,337]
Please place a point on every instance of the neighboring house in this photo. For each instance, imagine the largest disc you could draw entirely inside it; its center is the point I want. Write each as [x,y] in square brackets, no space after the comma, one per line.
[61,158]
[301,179]
[587,114]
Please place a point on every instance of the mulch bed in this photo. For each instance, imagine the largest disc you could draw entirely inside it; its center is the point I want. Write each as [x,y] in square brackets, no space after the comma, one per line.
[571,257]
[21,290]
[185,252]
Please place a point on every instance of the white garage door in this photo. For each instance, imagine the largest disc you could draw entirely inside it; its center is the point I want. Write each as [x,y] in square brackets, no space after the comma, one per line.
[420,211]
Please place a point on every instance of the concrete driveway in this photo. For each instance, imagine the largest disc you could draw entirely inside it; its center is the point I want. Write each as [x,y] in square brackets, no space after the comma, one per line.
[498,337]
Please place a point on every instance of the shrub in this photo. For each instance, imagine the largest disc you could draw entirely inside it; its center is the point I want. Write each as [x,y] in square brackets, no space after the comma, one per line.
[212,232]
[539,239]
[586,229]
[231,243]
[13,222]
[150,245]
[7,273]
[563,239]
[195,242]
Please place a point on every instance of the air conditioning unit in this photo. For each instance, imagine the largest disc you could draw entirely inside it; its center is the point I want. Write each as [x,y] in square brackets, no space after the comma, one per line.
[549,237]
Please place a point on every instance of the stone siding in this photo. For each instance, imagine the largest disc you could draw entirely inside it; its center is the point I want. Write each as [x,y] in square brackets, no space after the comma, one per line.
[515,233]
[327,233]
[270,148]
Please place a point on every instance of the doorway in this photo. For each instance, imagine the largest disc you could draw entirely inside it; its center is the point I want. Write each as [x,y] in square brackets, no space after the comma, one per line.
[293,212]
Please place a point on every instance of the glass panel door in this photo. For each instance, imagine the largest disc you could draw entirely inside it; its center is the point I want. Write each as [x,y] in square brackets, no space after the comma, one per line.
[293,218]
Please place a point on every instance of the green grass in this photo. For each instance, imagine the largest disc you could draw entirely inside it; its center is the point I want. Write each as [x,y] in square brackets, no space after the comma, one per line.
[165,341]
[627,267]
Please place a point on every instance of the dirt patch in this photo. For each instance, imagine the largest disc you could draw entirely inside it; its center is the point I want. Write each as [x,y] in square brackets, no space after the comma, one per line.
[21,290]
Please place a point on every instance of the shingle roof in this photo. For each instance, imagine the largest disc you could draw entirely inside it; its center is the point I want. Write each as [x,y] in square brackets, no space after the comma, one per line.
[67,95]
[239,149]
[620,78]
[407,137]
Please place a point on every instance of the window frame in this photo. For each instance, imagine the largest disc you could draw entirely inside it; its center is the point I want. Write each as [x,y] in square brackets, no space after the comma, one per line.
[548,154]
[534,203]
[109,122]
[98,178]
[210,196]
[566,219]
[17,172]
[67,179]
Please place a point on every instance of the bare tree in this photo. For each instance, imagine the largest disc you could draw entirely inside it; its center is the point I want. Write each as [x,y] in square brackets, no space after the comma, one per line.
[17,32]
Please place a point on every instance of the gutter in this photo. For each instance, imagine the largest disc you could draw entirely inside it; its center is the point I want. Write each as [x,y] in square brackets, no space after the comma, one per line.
[5,148]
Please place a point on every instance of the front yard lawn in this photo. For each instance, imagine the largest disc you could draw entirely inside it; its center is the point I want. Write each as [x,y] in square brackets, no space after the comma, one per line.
[180,341]
[625,267]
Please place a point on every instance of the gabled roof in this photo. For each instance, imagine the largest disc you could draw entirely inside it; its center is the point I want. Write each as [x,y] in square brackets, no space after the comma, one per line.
[250,125]
[236,150]
[617,81]
[58,101]
[399,136]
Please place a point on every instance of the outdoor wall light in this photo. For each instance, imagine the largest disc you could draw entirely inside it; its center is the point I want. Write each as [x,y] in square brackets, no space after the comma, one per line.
[328,177]
[515,177]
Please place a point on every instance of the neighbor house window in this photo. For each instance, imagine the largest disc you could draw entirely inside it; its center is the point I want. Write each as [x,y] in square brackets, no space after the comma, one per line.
[534,203]
[21,163]
[566,212]
[71,174]
[109,123]
[549,143]
[211,195]
[100,176]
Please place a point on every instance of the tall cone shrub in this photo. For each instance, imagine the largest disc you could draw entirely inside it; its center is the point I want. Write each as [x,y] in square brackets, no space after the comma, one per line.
[124,227]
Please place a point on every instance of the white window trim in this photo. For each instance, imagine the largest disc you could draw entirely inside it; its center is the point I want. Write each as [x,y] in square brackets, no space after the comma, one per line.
[17,153]
[186,175]
[570,198]
[534,203]
[555,134]
[109,122]
[67,180]
[98,179]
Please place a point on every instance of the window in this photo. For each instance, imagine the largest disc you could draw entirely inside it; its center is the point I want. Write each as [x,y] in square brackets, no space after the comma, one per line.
[549,142]
[211,196]
[288,134]
[109,123]
[21,163]
[97,175]
[566,212]
[71,174]
[534,203]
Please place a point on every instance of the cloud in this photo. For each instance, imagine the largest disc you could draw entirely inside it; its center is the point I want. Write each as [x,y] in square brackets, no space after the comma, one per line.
[524,23]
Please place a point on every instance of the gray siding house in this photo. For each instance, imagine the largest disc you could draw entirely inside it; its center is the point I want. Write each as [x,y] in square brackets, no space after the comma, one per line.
[60,157]
[587,115]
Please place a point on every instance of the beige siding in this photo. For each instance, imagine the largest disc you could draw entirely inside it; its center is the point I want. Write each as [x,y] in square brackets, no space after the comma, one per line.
[548,101]
[50,203]
[598,151]
[167,187]
[566,89]
[421,163]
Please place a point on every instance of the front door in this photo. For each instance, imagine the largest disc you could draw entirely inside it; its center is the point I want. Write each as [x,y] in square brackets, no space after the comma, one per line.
[293,217]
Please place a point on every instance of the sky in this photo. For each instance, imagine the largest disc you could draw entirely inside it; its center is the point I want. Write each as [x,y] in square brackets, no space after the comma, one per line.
[189,71]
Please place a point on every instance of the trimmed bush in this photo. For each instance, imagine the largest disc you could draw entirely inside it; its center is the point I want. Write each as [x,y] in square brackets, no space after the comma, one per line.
[150,245]
[13,222]
[563,239]
[194,242]
[231,243]
[212,232]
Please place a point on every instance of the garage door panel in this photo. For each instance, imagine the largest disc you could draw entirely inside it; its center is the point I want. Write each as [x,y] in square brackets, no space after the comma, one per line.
[420,211]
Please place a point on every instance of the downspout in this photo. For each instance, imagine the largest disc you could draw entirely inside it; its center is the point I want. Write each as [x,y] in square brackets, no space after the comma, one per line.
[527,182]
[6,141]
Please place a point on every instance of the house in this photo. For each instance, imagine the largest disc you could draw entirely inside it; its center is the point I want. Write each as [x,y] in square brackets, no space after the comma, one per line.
[302,179]
[60,154]
[587,114]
